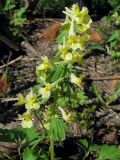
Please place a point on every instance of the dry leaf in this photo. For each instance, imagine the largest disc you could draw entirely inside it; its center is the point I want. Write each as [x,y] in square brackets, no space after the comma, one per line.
[112,84]
[96,37]
[49,34]
[4,85]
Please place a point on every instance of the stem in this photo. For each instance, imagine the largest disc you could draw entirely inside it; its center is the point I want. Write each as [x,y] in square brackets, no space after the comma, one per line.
[51,148]
[37,116]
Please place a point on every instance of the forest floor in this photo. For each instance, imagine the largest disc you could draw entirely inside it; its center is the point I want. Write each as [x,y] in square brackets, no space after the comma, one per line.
[98,68]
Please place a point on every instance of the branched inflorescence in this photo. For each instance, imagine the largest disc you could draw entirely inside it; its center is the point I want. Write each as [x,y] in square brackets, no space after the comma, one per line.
[58,85]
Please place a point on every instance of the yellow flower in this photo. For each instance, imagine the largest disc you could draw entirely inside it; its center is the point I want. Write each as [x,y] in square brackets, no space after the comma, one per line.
[44,65]
[71,30]
[26,120]
[76,46]
[31,101]
[67,56]
[77,57]
[45,91]
[71,39]
[67,117]
[64,54]
[77,42]
[21,99]
[76,80]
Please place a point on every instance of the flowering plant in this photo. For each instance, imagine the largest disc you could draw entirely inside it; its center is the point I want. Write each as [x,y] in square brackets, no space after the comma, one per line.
[59,85]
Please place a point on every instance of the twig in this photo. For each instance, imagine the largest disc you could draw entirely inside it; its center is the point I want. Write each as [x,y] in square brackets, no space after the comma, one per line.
[11,62]
[29,48]
[84,69]
[8,99]
[105,78]
[9,43]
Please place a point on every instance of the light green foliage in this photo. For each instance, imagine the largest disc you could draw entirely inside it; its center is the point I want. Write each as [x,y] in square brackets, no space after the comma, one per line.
[115,18]
[114,4]
[28,154]
[113,47]
[111,98]
[16,13]
[18,18]
[98,94]
[29,138]
[104,152]
[9,5]
[57,129]
[95,46]
[114,96]
[109,153]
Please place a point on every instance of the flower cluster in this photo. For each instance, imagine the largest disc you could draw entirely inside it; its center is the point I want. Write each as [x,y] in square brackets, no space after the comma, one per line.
[31,104]
[57,80]
[78,22]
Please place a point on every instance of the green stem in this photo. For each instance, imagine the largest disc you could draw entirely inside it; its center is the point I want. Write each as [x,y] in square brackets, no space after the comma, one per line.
[37,116]
[51,148]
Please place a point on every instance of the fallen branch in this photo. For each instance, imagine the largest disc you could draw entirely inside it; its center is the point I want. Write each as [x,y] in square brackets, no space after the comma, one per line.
[8,99]
[9,43]
[11,62]
[105,78]
[30,50]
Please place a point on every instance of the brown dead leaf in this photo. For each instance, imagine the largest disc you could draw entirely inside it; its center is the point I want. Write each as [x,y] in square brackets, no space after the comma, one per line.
[112,84]
[96,37]
[49,34]
[4,85]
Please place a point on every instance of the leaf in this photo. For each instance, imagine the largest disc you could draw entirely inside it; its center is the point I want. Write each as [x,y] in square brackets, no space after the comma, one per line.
[49,34]
[97,94]
[109,153]
[7,135]
[84,143]
[115,35]
[82,97]
[62,101]
[58,73]
[95,47]
[94,148]
[63,33]
[4,84]
[95,37]
[28,155]
[114,96]
[57,129]
[29,133]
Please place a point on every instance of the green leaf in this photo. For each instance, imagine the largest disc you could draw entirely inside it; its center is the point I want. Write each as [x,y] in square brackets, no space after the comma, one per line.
[114,96]
[84,143]
[59,71]
[29,133]
[95,47]
[57,129]
[62,101]
[82,97]
[115,36]
[28,154]
[94,148]
[109,153]
[98,95]
[63,33]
